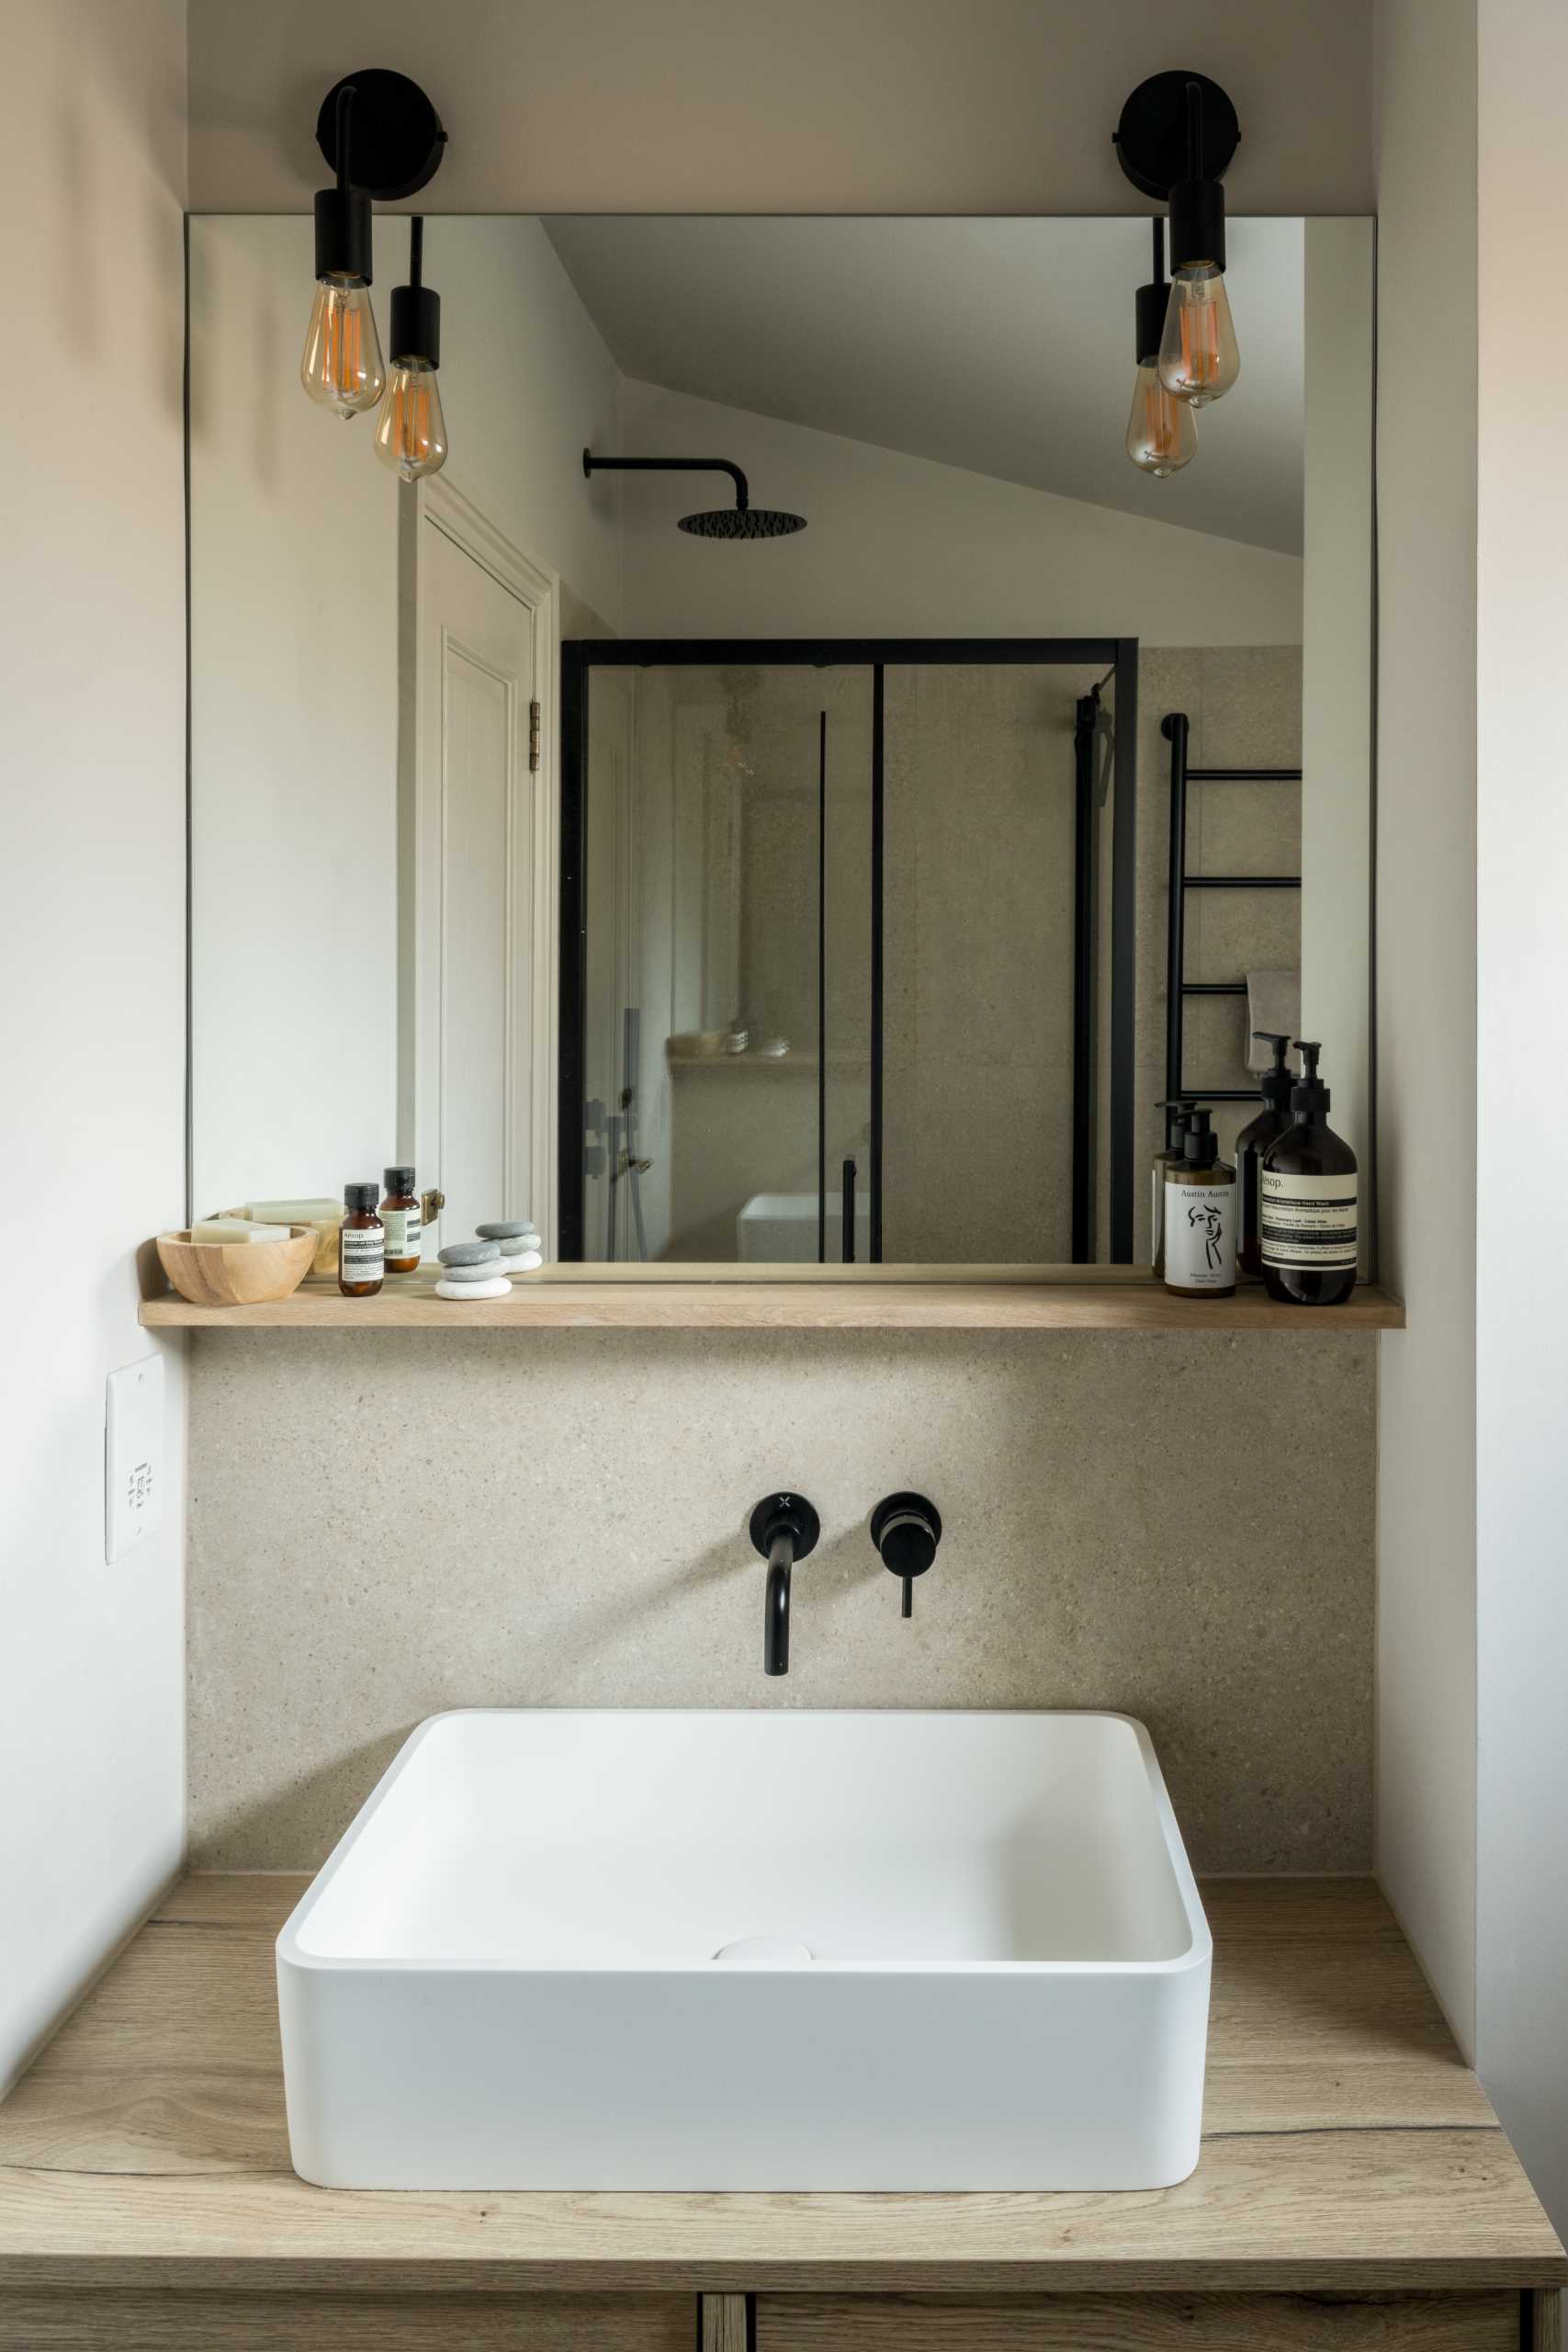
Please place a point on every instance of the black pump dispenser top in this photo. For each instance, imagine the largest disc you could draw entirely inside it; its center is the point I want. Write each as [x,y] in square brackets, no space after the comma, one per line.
[1309,1096]
[1175,1108]
[1200,1147]
[1276,1084]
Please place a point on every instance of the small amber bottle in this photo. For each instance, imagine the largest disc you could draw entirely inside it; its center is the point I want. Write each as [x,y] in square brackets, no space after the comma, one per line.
[400,1221]
[362,1244]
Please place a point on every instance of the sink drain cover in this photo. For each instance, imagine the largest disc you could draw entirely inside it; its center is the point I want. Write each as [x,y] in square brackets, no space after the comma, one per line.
[763,1951]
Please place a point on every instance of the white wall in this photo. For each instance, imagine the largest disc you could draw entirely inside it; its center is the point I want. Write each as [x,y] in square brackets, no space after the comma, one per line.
[294,744]
[294,574]
[896,546]
[1522,1126]
[1425,111]
[525,382]
[745,105]
[1337,652]
[92,894]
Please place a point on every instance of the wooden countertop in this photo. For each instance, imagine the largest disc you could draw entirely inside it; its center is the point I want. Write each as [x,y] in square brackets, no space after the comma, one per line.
[1346,2147]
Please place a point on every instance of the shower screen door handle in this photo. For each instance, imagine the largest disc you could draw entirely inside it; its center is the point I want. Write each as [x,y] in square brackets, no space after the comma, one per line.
[848,1201]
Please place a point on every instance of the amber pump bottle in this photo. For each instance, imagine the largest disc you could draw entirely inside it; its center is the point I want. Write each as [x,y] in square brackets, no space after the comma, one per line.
[1308,1200]
[1200,1216]
[362,1243]
[1254,1141]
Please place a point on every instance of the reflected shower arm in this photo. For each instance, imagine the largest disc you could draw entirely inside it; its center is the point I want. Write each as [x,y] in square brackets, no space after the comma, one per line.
[592,465]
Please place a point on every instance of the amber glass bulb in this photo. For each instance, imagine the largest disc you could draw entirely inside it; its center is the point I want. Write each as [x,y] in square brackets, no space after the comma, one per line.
[410,432]
[342,366]
[1162,432]
[1199,361]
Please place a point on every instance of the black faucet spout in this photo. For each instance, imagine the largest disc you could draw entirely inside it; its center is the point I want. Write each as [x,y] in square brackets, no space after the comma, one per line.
[775,1619]
[784,1528]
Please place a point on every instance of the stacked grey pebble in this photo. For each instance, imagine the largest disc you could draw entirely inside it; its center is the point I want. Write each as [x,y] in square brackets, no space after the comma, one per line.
[465,1260]
[471,1267]
[518,1240]
[505,1246]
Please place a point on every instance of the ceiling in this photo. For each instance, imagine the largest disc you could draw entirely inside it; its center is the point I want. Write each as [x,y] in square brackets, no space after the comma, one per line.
[1004,346]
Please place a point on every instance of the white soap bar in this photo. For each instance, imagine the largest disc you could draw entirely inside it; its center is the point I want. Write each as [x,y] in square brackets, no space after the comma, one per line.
[268,1232]
[320,1212]
[496,1289]
[222,1229]
[524,1263]
[326,1215]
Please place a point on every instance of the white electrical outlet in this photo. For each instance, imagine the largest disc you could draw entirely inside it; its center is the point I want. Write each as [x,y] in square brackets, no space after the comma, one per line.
[133,1457]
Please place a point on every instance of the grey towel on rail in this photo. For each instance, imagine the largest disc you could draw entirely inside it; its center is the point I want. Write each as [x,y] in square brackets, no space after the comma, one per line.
[1273,1003]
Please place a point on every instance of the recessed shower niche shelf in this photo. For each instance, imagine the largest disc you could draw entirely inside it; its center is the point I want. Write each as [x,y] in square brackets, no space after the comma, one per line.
[972,1298]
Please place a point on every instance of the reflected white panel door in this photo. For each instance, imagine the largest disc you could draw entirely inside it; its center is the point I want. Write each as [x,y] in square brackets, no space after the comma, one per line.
[473,891]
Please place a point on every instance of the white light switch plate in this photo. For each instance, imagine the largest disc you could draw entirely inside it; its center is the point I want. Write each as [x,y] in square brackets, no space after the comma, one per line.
[133,1457]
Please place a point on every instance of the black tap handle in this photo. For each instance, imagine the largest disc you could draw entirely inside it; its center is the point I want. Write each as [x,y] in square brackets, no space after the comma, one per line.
[906,1529]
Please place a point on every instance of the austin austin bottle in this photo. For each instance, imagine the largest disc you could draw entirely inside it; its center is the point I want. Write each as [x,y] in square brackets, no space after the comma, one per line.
[1200,1216]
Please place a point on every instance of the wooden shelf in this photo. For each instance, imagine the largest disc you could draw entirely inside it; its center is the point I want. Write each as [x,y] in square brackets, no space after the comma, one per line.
[795,1298]
[1346,2149]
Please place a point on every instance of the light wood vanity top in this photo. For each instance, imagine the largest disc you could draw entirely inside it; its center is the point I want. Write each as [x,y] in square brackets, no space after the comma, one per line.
[1346,2148]
[883,1298]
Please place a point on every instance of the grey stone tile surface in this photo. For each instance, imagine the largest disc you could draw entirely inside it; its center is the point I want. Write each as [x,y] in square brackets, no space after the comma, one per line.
[384,1526]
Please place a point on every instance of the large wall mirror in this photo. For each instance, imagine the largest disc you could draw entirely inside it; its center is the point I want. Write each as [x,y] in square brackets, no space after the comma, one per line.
[719,891]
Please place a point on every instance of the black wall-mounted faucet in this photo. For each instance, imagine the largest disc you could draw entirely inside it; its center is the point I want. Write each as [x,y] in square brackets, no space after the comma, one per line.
[906,1529]
[784,1528]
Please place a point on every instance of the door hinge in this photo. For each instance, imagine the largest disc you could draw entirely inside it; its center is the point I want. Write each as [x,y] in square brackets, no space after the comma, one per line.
[533,736]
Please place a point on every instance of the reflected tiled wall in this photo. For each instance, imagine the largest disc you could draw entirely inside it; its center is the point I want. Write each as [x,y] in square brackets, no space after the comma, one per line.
[1244,706]
[980,789]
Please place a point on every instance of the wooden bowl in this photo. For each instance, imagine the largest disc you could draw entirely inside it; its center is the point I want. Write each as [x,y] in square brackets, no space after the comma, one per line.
[237,1274]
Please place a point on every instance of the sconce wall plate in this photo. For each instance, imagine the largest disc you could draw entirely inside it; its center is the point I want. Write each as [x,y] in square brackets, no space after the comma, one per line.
[398,137]
[1151,137]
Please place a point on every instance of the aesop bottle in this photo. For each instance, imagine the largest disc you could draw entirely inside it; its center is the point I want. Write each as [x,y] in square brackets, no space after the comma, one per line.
[1254,1141]
[362,1244]
[398,1214]
[1308,1200]
[1200,1216]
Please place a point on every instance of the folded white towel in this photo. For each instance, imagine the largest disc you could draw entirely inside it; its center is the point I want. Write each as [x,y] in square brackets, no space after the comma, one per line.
[1273,1003]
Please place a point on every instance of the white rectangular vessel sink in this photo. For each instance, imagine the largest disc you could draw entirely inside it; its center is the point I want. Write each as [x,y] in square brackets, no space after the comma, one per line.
[773,1950]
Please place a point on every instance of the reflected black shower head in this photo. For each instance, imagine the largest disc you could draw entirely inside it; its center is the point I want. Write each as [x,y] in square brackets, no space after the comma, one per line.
[741,521]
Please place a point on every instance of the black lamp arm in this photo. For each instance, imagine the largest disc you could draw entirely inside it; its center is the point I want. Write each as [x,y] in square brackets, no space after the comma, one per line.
[345,136]
[1194,130]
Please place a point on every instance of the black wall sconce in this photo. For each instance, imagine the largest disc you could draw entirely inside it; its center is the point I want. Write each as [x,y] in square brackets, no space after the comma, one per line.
[1174,141]
[383,139]
[410,432]
[1162,431]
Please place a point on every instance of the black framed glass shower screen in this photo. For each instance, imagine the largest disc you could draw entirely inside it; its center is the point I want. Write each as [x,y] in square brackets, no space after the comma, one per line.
[847,950]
